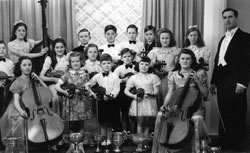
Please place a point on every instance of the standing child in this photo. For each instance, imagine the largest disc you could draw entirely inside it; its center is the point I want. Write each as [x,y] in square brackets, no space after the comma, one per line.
[108,110]
[76,106]
[176,80]
[12,121]
[56,61]
[19,45]
[132,43]
[111,47]
[195,42]
[143,110]
[84,38]
[92,65]
[150,38]
[124,72]
[7,67]
[165,54]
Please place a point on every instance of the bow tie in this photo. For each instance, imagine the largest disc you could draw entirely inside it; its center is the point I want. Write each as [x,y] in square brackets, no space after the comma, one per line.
[111,45]
[132,42]
[105,74]
[2,59]
[128,66]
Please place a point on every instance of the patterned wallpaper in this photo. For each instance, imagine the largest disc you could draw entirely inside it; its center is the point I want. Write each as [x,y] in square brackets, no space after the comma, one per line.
[96,14]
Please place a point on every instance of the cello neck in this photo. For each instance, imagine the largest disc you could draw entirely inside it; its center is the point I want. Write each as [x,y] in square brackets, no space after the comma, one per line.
[183,93]
[44,23]
[36,96]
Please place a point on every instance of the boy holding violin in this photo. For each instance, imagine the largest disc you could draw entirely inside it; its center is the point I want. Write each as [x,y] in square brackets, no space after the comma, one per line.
[125,71]
[108,110]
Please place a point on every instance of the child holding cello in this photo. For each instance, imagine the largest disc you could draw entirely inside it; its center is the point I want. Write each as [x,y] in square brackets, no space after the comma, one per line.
[12,121]
[177,80]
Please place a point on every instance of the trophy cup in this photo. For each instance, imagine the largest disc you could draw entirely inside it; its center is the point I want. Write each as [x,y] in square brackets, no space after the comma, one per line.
[11,143]
[139,139]
[74,139]
[98,139]
[117,140]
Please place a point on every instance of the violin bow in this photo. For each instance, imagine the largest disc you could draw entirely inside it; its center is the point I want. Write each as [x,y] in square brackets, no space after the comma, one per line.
[217,107]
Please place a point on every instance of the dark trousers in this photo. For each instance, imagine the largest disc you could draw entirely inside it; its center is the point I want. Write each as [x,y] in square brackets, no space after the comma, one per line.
[233,109]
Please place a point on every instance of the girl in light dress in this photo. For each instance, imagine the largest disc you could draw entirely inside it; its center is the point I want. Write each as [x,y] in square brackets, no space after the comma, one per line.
[57,60]
[92,64]
[143,110]
[20,45]
[195,42]
[166,53]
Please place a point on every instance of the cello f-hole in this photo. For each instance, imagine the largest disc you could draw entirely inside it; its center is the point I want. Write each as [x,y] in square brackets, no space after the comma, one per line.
[182,115]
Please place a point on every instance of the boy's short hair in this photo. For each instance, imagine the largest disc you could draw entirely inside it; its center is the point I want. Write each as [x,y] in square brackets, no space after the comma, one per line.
[84,30]
[2,42]
[126,50]
[133,26]
[150,27]
[145,59]
[110,27]
[105,57]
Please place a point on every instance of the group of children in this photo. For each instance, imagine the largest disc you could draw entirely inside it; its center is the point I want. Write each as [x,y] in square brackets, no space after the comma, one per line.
[140,68]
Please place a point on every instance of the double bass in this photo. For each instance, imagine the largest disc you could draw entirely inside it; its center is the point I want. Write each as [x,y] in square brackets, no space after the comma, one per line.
[46,42]
[44,126]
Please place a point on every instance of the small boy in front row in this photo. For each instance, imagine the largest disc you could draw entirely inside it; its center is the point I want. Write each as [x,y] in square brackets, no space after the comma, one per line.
[108,109]
[124,72]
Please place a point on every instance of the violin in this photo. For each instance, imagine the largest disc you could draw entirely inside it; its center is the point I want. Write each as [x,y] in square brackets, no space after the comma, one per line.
[4,76]
[129,74]
[55,74]
[100,92]
[159,65]
[72,89]
[44,126]
[140,92]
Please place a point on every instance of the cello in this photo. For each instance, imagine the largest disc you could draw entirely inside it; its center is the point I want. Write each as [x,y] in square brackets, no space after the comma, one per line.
[173,127]
[46,42]
[44,126]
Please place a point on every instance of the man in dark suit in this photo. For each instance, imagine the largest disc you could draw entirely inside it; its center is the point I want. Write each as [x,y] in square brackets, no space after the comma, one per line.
[230,78]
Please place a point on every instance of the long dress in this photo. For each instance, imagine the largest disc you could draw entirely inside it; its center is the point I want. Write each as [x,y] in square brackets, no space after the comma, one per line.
[11,123]
[176,81]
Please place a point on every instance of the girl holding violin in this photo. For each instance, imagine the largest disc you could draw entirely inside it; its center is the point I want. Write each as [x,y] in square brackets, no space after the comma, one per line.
[176,80]
[164,59]
[143,109]
[53,68]
[20,45]
[12,121]
[77,103]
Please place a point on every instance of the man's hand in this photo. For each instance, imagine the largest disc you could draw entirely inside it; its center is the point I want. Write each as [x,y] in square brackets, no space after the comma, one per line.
[212,89]
[239,89]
